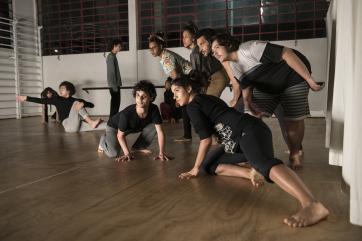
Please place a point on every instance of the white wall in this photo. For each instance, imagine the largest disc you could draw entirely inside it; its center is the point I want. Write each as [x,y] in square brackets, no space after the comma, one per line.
[25,8]
[89,70]
[86,70]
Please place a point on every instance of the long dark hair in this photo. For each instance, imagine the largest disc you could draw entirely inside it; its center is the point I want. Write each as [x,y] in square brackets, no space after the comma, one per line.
[44,93]
[195,79]
[229,42]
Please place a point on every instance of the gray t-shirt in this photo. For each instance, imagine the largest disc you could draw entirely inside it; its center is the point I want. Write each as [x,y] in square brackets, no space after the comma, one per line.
[113,74]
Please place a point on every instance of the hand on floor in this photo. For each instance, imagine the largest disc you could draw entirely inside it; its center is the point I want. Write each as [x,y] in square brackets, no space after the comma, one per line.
[163,157]
[125,158]
[187,175]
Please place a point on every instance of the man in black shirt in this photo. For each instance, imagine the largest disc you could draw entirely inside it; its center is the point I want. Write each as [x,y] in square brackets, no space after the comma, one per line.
[71,111]
[143,117]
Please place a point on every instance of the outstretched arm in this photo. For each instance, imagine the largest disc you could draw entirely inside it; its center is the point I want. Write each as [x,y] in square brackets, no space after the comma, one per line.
[22,98]
[298,66]
[235,85]
[247,97]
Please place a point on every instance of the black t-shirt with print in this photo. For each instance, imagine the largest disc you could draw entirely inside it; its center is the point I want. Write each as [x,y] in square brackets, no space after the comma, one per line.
[128,120]
[210,115]
[273,75]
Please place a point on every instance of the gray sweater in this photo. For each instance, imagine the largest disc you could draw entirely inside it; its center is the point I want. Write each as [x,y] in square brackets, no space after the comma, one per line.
[113,74]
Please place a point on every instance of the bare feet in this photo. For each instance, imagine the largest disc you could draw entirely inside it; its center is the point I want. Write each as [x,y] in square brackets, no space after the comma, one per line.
[295,162]
[301,153]
[143,151]
[100,149]
[307,216]
[96,123]
[256,178]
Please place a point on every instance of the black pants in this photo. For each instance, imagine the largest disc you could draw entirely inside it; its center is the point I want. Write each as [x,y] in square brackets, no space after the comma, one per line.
[186,122]
[218,156]
[115,102]
[255,146]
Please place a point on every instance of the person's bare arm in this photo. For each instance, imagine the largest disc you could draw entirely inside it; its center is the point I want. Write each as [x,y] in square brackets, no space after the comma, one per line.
[235,85]
[298,66]
[161,143]
[247,97]
[203,148]
[123,143]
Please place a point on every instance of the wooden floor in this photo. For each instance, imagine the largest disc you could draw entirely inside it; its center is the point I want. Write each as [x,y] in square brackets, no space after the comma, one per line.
[55,186]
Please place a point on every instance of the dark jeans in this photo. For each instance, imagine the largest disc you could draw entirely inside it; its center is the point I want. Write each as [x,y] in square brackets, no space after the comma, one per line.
[115,101]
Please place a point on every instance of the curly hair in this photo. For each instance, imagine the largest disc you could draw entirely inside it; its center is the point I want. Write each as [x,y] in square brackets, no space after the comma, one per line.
[68,86]
[230,43]
[146,86]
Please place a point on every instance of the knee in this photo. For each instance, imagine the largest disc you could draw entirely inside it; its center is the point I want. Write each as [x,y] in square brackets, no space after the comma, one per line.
[111,153]
[210,169]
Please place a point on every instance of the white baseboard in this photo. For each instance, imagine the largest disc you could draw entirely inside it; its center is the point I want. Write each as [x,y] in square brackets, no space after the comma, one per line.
[318,113]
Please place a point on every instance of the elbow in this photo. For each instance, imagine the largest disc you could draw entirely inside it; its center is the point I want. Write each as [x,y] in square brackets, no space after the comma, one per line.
[286,53]
[120,135]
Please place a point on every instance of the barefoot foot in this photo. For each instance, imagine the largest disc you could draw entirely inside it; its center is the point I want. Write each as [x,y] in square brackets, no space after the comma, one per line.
[256,178]
[96,123]
[295,162]
[100,149]
[309,215]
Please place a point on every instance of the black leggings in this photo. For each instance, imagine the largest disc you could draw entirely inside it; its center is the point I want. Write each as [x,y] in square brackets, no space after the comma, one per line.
[255,146]
[218,156]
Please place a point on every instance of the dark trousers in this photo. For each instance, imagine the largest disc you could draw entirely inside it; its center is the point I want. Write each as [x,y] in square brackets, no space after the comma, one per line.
[218,156]
[255,146]
[186,122]
[115,101]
